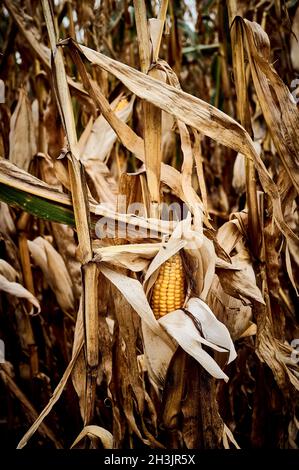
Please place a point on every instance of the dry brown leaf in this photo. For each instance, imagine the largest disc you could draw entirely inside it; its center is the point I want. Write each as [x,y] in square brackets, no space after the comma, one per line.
[229,235]
[250,331]
[153,147]
[22,144]
[196,113]
[95,431]
[14,177]
[133,292]
[8,271]
[53,267]
[79,369]
[240,284]
[7,226]
[202,263]
[289,268]
[26,25]
[294,43]
[102,137]
[16,289]
[277,103]
[97,148]
[133,257]
[230,311]
[194,203]
[214,334]
[66,244]
[228,437]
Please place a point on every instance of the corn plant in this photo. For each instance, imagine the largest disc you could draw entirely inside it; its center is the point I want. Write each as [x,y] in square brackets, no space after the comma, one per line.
[149,224]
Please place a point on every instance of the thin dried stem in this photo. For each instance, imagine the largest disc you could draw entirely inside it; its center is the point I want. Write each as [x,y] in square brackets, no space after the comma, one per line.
[81,212]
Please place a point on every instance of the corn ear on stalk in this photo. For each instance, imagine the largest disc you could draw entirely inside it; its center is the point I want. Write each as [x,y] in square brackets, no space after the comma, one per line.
[169,290]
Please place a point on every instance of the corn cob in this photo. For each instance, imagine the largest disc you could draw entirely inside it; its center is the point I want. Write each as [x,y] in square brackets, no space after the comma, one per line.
[169,290]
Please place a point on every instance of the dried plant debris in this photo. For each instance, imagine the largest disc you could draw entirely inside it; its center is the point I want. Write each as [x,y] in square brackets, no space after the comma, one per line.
[149,224]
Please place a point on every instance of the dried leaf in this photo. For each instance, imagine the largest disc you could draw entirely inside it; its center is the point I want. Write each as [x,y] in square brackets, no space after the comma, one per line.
[230,311]
[133,257]
[133,292]
[240,285]
[198,114]
[22,145]
[102,137]
[157,355]
[294,43]
[276,101]
[181,235]
[13,288]
[181,327]
[95,431]
[7,225]
[289,268]
[53,267]
[55,397]
[228,436]
[8,271]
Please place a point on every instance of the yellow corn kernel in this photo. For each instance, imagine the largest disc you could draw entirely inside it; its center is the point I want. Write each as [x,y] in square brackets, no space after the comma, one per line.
[170,288]
[121,105]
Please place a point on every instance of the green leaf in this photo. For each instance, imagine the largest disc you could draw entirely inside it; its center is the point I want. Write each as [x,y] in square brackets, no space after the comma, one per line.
[37,206]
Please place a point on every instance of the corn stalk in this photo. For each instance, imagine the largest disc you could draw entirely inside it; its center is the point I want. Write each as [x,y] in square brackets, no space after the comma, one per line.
[82,218]
[149,41]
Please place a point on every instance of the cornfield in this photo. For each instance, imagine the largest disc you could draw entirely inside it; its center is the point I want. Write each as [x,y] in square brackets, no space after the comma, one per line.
[149,224]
